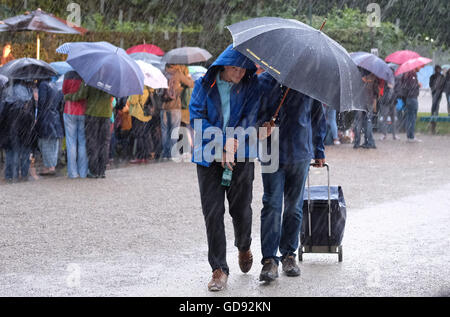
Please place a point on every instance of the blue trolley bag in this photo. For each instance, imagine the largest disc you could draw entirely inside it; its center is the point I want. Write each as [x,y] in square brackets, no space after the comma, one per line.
[324,215]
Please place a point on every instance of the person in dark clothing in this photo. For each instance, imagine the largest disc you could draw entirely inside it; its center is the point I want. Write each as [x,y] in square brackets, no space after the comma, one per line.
[388,111]
[363,119]
[410,87]
[447,89]
[224,99]
[19,134]
[48,125]
[437,83]
[302,129]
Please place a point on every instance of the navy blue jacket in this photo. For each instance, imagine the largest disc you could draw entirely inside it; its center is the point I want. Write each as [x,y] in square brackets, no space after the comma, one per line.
[301,121]
[206,106]
[48,121]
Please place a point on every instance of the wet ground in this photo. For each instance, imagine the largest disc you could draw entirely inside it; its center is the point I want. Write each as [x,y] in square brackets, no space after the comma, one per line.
[140,231]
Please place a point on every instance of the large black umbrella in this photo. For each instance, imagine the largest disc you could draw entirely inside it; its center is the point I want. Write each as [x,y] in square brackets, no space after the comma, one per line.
[27,69]
[186,55]
[37,20]
[302,58]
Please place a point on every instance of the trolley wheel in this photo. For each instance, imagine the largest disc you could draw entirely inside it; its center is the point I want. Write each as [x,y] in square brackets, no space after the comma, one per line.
[340,253]
[300,253]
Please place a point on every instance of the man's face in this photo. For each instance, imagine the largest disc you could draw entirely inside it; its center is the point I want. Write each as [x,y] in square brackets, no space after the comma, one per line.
[233,74]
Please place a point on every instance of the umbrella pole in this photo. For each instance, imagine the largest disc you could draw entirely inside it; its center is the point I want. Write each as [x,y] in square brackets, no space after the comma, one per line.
[38,46]
[274,117]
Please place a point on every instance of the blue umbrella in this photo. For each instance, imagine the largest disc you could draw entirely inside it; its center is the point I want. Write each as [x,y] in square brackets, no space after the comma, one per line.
[374,64]
[61,67]
[106,67]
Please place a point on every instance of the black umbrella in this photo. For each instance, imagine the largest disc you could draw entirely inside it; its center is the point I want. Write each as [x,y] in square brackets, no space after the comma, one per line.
[302,58]
[36,21]
[186,55]
[27,69]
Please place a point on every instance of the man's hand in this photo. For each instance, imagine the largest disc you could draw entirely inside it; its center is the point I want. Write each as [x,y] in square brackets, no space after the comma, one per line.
[268,126]
[319,162]
[228,160]
[230,149]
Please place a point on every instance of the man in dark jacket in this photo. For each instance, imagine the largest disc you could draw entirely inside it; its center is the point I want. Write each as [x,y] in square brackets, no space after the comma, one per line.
[48,125]
[224,99]
[410,88]
[447,89]
[302,128]
[19,133]
[437,82]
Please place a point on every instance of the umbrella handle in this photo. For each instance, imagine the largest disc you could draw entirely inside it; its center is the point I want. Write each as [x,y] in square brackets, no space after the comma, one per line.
[323,24]
[274,117]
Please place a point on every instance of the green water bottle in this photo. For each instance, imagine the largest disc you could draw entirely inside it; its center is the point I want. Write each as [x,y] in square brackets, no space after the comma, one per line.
[226,177]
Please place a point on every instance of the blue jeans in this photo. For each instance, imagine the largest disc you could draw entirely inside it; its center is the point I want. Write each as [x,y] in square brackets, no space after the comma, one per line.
[331,120]
[363,121]
[277,233]
[17,160]
[77,160]
[170,119]
[412,105]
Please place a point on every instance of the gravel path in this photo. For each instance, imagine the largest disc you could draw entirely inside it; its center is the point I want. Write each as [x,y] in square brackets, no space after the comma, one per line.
[140,231]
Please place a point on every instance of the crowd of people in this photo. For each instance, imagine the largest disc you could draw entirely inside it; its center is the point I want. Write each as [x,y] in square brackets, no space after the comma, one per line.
[393,108]
[37,115]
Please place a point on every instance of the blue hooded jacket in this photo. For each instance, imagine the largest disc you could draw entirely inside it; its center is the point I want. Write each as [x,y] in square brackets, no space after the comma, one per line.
[301,121]
[206,107]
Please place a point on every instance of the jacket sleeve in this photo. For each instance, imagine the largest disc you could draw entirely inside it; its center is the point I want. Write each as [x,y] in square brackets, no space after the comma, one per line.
[198,110]
[319,129]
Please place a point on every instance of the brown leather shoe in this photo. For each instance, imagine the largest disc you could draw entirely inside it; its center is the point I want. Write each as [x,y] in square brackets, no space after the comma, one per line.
[218,281]
[245,260]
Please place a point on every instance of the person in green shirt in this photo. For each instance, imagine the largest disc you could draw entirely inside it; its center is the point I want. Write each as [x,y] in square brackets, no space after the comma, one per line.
[97,127]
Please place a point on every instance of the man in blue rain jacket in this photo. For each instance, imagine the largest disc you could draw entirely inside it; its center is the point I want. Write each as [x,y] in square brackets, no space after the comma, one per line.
[226,98]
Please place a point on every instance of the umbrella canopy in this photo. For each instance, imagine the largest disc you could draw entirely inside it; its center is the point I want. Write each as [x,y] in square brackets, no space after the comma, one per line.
[374,64]
[149,59]
[106,67]
[37,21]
[3,80]
[146,48]
[400,57]
[61,67]
[186,55]
[302,58]
[153,77]
[412,64]
[27,69]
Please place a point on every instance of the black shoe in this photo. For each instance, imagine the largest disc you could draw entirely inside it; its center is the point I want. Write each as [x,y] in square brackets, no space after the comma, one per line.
[290,267]
[355,146]
[102,176]
[269,271]
[367,146]
[90,175]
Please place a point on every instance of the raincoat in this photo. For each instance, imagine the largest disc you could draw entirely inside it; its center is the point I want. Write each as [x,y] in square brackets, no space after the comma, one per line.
[301,122]
[206,105]
[48,124]
[18,127]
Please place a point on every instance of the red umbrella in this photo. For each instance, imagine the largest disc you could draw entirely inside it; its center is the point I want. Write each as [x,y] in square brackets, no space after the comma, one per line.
[146,48]
[400,57]
[412,64]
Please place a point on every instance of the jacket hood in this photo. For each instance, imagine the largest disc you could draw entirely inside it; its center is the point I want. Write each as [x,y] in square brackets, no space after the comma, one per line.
[230,57]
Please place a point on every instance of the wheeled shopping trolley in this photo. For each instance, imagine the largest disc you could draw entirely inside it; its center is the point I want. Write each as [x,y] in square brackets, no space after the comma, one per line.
[324,215]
